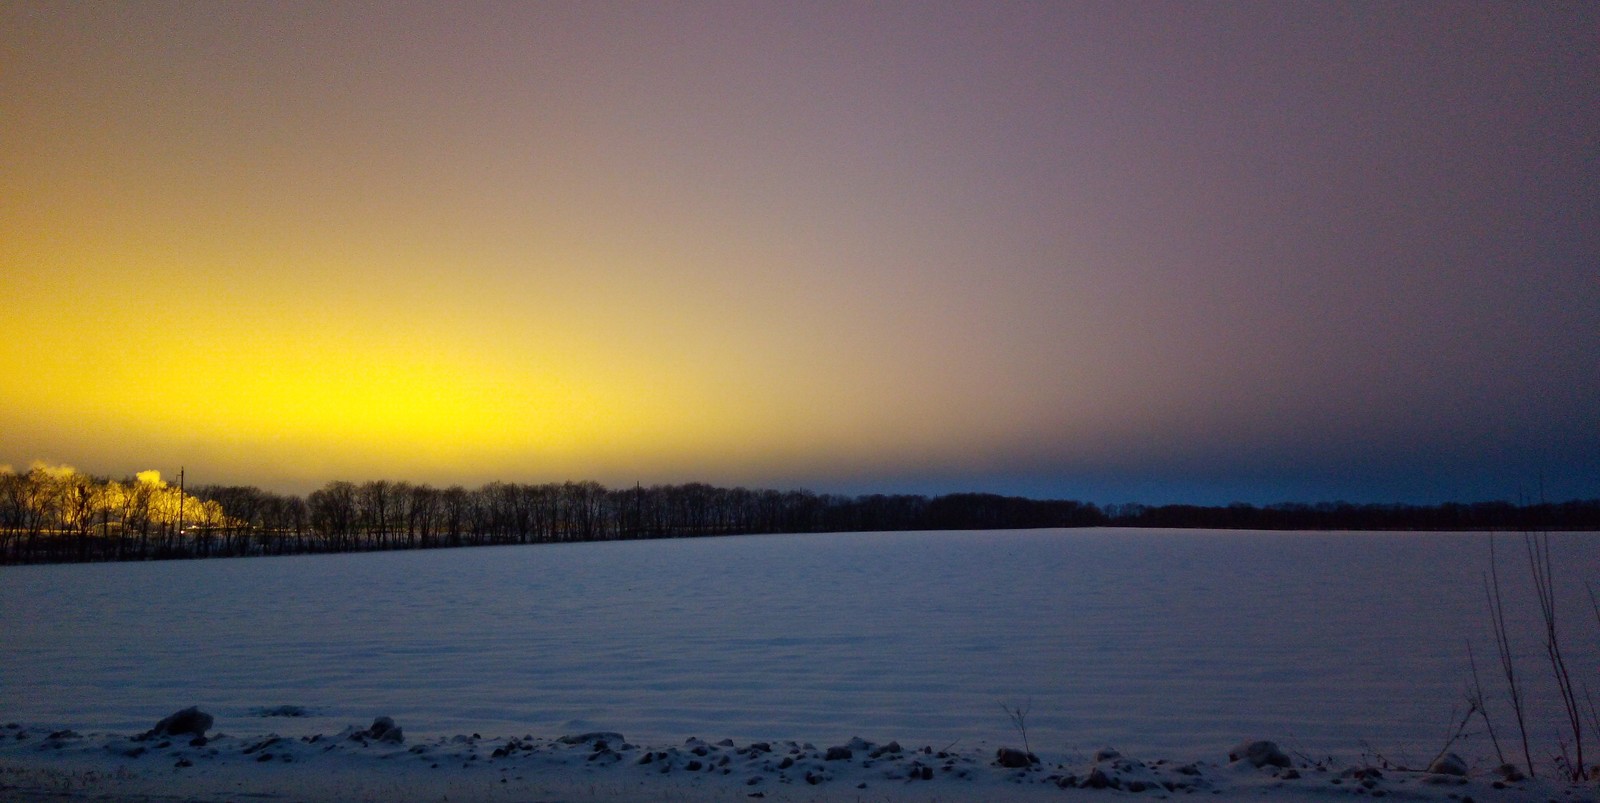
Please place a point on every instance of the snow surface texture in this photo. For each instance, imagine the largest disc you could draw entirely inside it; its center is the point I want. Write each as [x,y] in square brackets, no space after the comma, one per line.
[376,765]
[603,766]
[1164,644]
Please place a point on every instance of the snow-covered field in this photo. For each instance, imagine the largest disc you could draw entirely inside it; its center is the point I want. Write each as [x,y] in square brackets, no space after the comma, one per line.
[1167,645]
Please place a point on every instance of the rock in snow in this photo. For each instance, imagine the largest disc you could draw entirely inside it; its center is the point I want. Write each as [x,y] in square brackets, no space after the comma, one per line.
[190,720]
[1259,754]
[593,736]
[281,711]
[1511,773]
[1013,758]
[1448,764]
[383,730]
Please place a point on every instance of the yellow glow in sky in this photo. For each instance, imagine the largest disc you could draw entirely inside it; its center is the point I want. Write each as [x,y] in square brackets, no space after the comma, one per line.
[345,259]
[307,371]
[841,246]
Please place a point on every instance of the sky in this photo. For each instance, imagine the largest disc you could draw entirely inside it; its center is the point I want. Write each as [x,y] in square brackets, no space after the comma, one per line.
[1111,251]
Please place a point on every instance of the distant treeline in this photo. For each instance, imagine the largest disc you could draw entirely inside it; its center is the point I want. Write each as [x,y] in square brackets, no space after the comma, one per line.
[56,514]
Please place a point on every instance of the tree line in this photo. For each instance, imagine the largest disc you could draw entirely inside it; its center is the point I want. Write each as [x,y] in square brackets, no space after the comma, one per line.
[1450,516]
[55,514]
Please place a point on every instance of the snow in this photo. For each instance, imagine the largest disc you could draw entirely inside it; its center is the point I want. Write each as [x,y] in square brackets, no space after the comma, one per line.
[1168,645]
[605,767]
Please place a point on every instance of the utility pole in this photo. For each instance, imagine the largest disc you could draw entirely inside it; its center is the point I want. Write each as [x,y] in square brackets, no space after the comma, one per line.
[180,504]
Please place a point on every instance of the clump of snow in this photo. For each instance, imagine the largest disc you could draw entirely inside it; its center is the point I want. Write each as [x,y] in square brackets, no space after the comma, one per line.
[1112,770]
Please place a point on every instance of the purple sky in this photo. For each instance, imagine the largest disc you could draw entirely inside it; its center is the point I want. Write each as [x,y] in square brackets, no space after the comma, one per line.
[1113,251]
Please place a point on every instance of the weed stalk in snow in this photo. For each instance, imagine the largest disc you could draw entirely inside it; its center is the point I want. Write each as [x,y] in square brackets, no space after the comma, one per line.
[1508,663]
[1538,549]
[1019,718]
[1476,702]
[1461,728]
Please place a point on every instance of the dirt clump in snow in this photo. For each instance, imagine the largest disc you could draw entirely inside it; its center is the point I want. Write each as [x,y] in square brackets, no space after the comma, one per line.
[1448,764]
[183,722]
[1260,754]
[1012,758]
[383,730]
